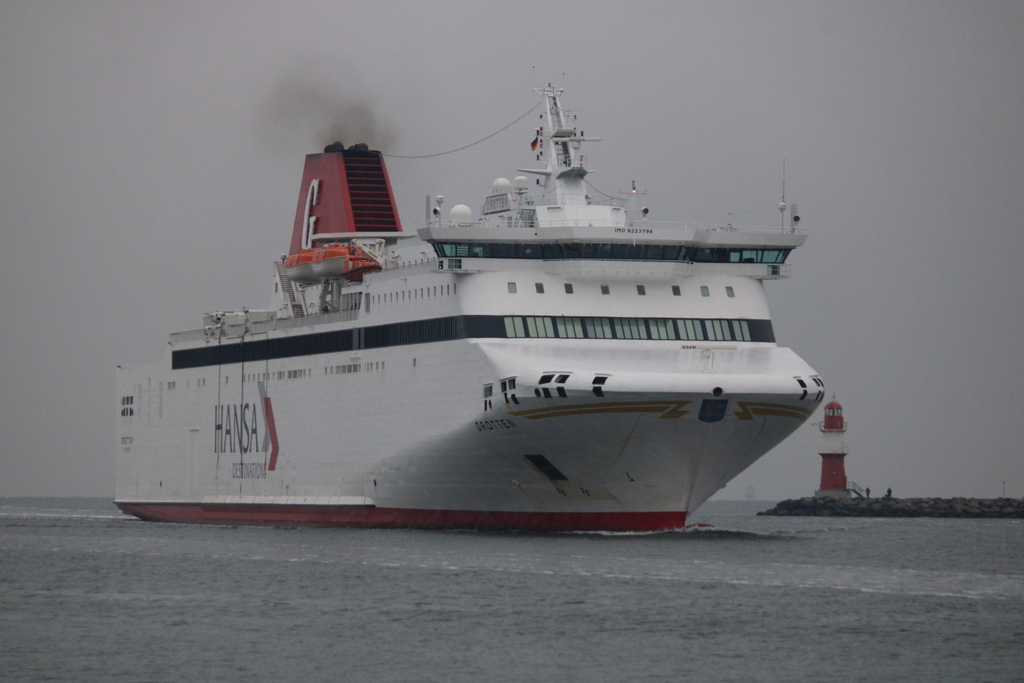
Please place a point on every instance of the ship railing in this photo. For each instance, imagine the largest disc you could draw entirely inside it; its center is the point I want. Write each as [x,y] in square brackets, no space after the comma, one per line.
[643,223]
[187,336]
[426,260]
[763,229]
[403,269]
[314,319]
[351,312]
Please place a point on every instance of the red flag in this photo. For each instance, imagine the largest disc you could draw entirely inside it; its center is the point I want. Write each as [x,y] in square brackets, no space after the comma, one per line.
[536,141]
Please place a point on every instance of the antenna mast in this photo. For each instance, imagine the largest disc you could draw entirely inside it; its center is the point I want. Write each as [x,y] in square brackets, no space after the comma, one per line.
[782,204]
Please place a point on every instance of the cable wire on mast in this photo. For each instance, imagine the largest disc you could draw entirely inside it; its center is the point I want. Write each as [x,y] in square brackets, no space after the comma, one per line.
[459,149]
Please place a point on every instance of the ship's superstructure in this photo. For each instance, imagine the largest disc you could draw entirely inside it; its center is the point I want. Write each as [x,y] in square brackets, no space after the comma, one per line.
[555,363]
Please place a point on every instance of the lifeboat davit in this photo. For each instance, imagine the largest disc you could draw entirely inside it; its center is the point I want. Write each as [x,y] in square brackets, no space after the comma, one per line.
[342,260]
[299,267]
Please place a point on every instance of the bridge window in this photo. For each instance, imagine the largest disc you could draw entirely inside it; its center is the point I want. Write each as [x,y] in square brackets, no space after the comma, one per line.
[617,251]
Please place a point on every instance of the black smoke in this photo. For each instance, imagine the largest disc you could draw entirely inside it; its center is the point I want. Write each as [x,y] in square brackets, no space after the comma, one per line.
[313,110]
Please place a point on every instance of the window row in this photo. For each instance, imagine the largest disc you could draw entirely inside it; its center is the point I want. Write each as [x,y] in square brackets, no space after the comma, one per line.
[470,327]
[342,369]
[641,290]
[599,251]
[414,294]
[686,329]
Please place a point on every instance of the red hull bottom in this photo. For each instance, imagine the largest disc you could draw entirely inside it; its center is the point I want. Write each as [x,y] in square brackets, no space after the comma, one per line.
[398,518]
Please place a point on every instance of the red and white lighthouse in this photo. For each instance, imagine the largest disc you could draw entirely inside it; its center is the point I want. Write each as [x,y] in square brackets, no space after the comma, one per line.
[833,452]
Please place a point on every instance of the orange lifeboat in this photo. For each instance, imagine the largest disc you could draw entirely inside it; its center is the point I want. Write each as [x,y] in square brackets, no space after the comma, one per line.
[299,267]
[347,261]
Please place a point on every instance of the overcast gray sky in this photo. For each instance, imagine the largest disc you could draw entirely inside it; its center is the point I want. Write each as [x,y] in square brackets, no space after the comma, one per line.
[151,153]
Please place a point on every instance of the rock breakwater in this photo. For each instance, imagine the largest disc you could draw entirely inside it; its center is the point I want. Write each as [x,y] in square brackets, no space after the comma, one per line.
[900,507]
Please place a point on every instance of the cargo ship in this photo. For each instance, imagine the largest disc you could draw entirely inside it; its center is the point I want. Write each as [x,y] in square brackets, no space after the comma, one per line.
[554,362]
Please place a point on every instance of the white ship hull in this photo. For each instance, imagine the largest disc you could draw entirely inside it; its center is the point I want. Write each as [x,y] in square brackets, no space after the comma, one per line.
[398,444]
[561,366]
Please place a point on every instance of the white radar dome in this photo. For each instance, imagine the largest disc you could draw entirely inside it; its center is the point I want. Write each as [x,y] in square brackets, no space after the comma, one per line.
[461,215]
[501,186]
[522,182]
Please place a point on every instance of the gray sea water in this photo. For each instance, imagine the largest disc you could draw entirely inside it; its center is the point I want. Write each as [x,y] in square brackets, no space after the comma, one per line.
[88,594]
